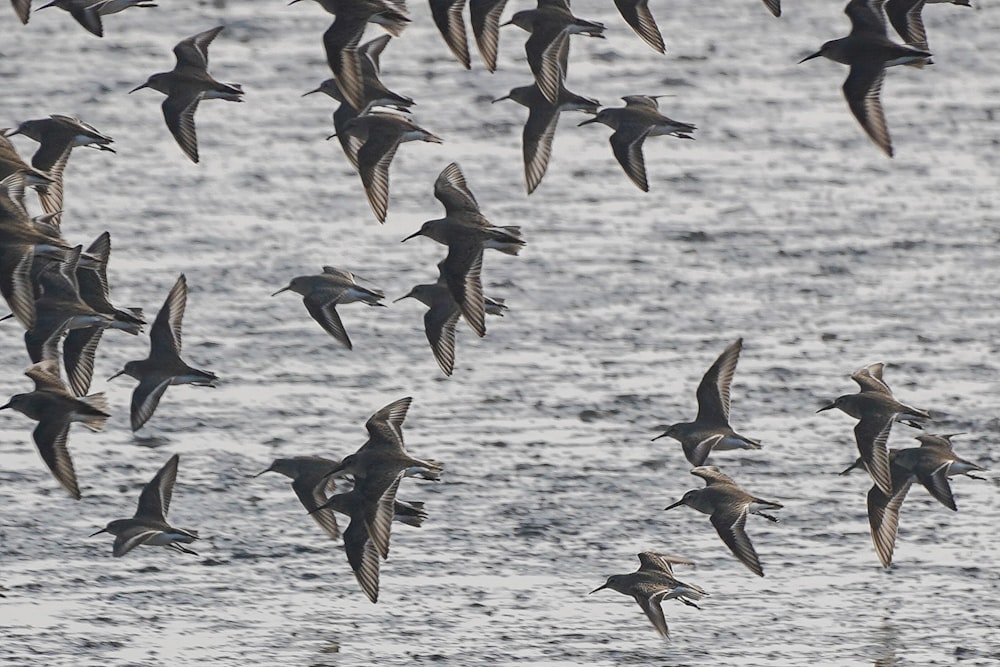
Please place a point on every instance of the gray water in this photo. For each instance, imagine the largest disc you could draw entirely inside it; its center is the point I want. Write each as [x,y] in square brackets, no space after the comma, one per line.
[781,223]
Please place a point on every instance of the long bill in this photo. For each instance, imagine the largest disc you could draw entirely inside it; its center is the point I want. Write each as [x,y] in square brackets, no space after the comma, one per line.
[102,530]
[587,122]
[283,289]
[599,588]
[413,235]
[121,372]
[677,504]
[4,407]
[831,406]
[815,55]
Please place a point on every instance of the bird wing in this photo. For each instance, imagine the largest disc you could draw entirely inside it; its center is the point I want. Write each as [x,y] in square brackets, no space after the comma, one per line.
[872,434]
[453,192]
[18,290]
[439,326]
[650,604]
[883,518]
[869,378]
[89,18]
[636,13]
[79,349]
[712,475]
[165,337]
[536,139]
[341,43]
[373,49]
[51,437]
[379,510]
[374,158]
[324,310]
[936,483]
[193,51]
[658,562]
[863,89]
[145,398]
[46,376]
[484,15]
[312,494]
[451,23]
[906,17]
[866,16]
[154,501]
[626,143]
[713,391]
[385,427]
[730,523]
[545,49]
[363,557]
[462,268]
[178,112]
[132,537]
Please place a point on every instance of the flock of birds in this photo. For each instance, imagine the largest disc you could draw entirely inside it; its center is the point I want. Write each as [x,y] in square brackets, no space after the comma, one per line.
[59,292]
[728,506]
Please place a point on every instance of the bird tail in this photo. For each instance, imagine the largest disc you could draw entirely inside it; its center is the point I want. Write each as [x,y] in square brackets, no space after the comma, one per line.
[426,470]
[411,513]
[95,420]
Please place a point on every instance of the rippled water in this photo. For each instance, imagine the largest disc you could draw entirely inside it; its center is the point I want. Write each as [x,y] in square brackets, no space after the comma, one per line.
[782,224]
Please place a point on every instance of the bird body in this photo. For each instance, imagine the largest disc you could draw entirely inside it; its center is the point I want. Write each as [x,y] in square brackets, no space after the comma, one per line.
[148,526]
[322,293]
[728,507]
[186,85]
[876,409]
[653,583]
[54,408]
[868,52]
[711,430]
[638,119]
[164,366]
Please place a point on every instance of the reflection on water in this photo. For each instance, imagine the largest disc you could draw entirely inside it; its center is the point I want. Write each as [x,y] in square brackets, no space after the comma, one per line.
[887,638]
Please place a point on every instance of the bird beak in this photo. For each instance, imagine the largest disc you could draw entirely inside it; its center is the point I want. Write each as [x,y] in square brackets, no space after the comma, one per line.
[414,234]
[145,85]
[677,504]
[283,289]
[9,132]
[315,90]
[856,464]
[815,55]
[827,407]
[587,122]
[505,97]
[599,588]
[511,22]
[407,295]
[4,407]
[121,372]
[261,473]
[331,136]
[662,435]
[102,530]
[51,4]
